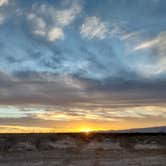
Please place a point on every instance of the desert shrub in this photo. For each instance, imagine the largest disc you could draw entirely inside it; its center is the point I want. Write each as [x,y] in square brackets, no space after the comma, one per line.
[127,142]
[37,143]
[7,143]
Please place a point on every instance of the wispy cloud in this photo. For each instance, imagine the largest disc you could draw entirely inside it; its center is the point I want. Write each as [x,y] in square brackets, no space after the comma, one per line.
[4,2]
[67,16]
[68,118]
[157,47]
[146,44]
[24,129]
[53,28]
[157,44]
[93,27]
[2,18]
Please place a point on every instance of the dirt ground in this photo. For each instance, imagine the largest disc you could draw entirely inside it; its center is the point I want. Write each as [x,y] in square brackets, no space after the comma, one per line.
[86,158]
[76,151]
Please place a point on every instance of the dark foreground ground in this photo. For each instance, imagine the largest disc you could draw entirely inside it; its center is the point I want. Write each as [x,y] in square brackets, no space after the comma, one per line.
[83,149]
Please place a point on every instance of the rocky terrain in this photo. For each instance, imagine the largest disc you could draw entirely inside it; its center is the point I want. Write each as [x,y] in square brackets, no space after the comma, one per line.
[93,149]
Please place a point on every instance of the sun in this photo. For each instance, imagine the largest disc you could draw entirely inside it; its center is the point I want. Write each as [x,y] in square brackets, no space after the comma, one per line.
[86,130]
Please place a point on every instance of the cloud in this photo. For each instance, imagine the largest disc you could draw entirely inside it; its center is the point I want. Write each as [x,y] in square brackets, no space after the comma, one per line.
[55,34]
[4,2]
[130,36]
[40,28]
[109,114]
[38,23]
[64,118]
[149,44]
[2,15]
[93,27]
[2,18]
[49,22]
[157,47]
[48,87]
[23,129]
[157,43]
[67,90]
[67,16]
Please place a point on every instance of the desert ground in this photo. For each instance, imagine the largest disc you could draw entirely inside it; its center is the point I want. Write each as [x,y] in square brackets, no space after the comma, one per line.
[97,149]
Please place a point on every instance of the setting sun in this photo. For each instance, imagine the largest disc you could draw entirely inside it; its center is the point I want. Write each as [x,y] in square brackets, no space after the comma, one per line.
[86,130]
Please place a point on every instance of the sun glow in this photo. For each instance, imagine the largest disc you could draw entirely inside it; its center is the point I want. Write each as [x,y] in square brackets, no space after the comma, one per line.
[87,130]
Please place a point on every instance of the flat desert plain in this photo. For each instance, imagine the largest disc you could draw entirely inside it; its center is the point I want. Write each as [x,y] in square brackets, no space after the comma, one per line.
[92,149]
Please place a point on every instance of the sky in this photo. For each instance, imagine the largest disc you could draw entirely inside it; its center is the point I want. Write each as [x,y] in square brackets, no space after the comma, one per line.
[75,65]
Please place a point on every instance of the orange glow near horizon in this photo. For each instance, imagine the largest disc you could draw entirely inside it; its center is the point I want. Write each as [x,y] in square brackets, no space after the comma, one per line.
[52,120]
[22,129]
[78,126]
[87,129]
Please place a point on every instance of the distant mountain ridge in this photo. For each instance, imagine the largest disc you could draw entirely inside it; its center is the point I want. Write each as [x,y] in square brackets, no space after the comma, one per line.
[160,129]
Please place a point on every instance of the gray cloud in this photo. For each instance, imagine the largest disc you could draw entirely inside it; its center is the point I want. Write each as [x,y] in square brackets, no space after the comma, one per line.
[52,89]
